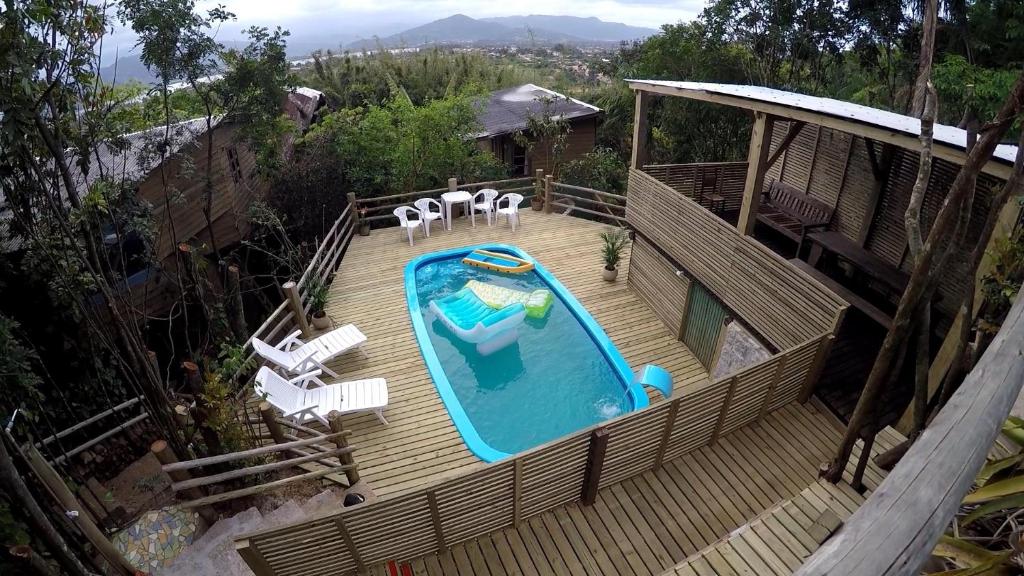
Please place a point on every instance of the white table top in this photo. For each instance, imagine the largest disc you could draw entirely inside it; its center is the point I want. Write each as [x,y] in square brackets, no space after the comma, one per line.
[457,196]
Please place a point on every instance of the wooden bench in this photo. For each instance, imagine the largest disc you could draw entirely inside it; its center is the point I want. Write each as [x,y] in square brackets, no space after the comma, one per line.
[869,309]
[792,213]
[863,260]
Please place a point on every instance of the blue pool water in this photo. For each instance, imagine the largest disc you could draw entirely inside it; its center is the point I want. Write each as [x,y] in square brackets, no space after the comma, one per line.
[561,375]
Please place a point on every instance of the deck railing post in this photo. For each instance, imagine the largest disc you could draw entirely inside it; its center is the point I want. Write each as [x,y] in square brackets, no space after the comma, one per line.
[666,433]
[355,209]
[269,418]
[724,414]
[549,192]
[346,459]
[435,518]
[166,456]
[517,492]
[453,184]
[595,463]
[291,292]
[538,183]
[824,346]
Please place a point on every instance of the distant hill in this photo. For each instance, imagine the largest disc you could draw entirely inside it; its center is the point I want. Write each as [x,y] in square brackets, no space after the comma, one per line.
[588,28]
[508,30]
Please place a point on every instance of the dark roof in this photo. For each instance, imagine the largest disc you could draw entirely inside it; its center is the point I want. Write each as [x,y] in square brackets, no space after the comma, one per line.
[507,110]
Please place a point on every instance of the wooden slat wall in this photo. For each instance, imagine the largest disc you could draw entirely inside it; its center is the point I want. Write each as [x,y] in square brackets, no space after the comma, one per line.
[771,296]
[633,444]
[800,157]
[688,180]
[387,529]
[828,171]
[695,420]
[705,320]
[799,362]
[752,388]
[285,554]
[852,205]
[554,476]
[655,280]
[477,503]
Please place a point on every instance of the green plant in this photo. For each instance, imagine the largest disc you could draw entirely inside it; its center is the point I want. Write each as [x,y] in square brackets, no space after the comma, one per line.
[317,292]
[614,241]
[222,417]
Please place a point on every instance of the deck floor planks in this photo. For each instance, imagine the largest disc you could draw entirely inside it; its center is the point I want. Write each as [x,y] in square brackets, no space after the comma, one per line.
[421,445]
[687,509]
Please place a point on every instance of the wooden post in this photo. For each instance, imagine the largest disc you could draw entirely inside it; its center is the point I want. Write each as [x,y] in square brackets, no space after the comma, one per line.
[253,558]
[352,473]
[779,369]
[538,183]
[351,196]
[166,456]
[291,292]
[517,493]
[203,410]
[453,184]
[435,518]
[757,160]
[641,130]
[549,190]
[595,463]
[233,304]
[725,410]
[67,501]
[816,368]
[666,433]
[270,419]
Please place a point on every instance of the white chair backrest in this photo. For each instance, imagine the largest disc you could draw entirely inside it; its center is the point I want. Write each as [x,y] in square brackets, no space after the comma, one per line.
[423,205]
[283,359]
[403,215]
[285,396]
[485,196]
[513,199]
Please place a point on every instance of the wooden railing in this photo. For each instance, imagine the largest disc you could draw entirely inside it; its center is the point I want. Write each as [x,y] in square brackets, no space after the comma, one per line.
[596,204]
[895,530]
[700,182]
[505,493]
[380,208]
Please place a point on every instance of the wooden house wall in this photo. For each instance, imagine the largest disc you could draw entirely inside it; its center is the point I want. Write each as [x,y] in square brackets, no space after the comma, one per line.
[581,140]
[178,213]
[835,168]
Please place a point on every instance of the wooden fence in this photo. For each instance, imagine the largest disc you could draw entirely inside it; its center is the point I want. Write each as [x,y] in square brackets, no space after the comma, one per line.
[700,182]
[577,200]
[505,493]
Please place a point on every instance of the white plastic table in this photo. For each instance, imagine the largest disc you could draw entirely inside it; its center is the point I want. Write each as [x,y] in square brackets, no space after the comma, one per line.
[449,198]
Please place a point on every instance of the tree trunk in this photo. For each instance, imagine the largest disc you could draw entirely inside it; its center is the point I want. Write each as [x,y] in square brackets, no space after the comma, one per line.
[923,276]
[924,67]
[234,306]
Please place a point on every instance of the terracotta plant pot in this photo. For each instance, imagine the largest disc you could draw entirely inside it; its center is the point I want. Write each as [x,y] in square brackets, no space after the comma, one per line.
[537,204]
[610,274]
[321,321]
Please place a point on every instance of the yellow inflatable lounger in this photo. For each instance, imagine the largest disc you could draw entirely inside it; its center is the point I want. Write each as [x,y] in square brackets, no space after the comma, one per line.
[498,262]
[537,303]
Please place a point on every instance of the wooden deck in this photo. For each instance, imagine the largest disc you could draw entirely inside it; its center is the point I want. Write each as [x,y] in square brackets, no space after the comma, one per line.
[421,444]
[649,524]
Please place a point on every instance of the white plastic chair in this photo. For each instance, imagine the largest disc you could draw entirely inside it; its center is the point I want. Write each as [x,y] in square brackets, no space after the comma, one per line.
[295,356]
[300,403]
[423,205]
[403,219]
[483,201]
[511,210]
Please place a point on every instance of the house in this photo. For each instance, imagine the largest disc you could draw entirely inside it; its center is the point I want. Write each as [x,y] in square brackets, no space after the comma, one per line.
[506,112]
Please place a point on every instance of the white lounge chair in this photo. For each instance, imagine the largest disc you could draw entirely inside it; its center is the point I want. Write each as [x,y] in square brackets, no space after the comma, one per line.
[301,404]
[423,205]
[511,209]
[402,212]
[295,356]
[483,201]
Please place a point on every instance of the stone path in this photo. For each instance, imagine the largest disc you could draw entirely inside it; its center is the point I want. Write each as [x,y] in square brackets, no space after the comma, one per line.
[157,538]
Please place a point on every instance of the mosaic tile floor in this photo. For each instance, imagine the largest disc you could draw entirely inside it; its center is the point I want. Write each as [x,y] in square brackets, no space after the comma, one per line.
[155,539]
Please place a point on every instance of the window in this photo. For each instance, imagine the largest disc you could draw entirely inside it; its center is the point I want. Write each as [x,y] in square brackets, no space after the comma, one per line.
[236,168]
[518,160]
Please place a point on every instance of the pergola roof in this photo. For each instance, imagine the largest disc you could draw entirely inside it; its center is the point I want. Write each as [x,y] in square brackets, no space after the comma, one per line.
[949,142]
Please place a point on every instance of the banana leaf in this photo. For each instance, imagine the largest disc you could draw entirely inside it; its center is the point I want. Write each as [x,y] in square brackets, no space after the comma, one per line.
[1004,503]
[993,468]
[1008,487]
[1013,429]
[973,559]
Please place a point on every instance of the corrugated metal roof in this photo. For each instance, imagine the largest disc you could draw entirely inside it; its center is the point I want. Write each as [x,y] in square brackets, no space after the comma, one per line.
[508,110]
[908,125]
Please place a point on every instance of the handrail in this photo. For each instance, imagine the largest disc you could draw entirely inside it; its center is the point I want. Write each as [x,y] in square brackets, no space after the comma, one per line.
[895,530]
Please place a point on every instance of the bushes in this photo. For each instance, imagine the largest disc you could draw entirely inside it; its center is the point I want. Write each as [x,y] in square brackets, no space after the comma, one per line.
[601,169]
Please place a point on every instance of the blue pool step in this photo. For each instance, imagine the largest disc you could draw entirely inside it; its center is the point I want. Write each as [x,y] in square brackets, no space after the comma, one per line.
[656,377]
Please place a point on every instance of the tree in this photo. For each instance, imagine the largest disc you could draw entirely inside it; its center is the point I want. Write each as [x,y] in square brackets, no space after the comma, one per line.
[547,131]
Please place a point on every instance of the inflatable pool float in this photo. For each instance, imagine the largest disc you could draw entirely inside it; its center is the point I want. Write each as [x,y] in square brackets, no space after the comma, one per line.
[473,321]
[498,262]
[537,303]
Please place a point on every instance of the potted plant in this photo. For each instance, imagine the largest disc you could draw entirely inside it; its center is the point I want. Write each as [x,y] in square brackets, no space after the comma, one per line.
[364,225]
[537,203]
[615,241]
[317,291]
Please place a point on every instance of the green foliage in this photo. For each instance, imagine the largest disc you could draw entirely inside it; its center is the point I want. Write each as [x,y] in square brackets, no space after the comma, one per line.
[962,85]
[602,169]
[1001,285]
[18,378]
[222,417]
[613,243]
[232,360]
[317,292]
[403,147]
[549,132]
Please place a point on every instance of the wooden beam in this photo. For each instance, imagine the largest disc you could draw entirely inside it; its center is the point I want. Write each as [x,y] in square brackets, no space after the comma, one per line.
[757,155]
[595,464]
[291,291]
[253,558]
[996,168]
[882,169]
[641,130]
[794,131]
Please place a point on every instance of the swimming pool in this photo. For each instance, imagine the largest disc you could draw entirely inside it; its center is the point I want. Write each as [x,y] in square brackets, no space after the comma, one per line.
[561,374]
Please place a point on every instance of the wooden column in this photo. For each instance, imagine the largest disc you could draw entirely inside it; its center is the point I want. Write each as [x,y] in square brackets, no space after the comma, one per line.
[352,472]
[641,130]
[66,500]
[595,463]
[351,197]
[269,418]
[757,162]
[549,199]
[291,292]
[166,456]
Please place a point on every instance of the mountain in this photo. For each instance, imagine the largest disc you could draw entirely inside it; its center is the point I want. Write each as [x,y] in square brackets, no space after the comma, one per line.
[590,28]
[508,30]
